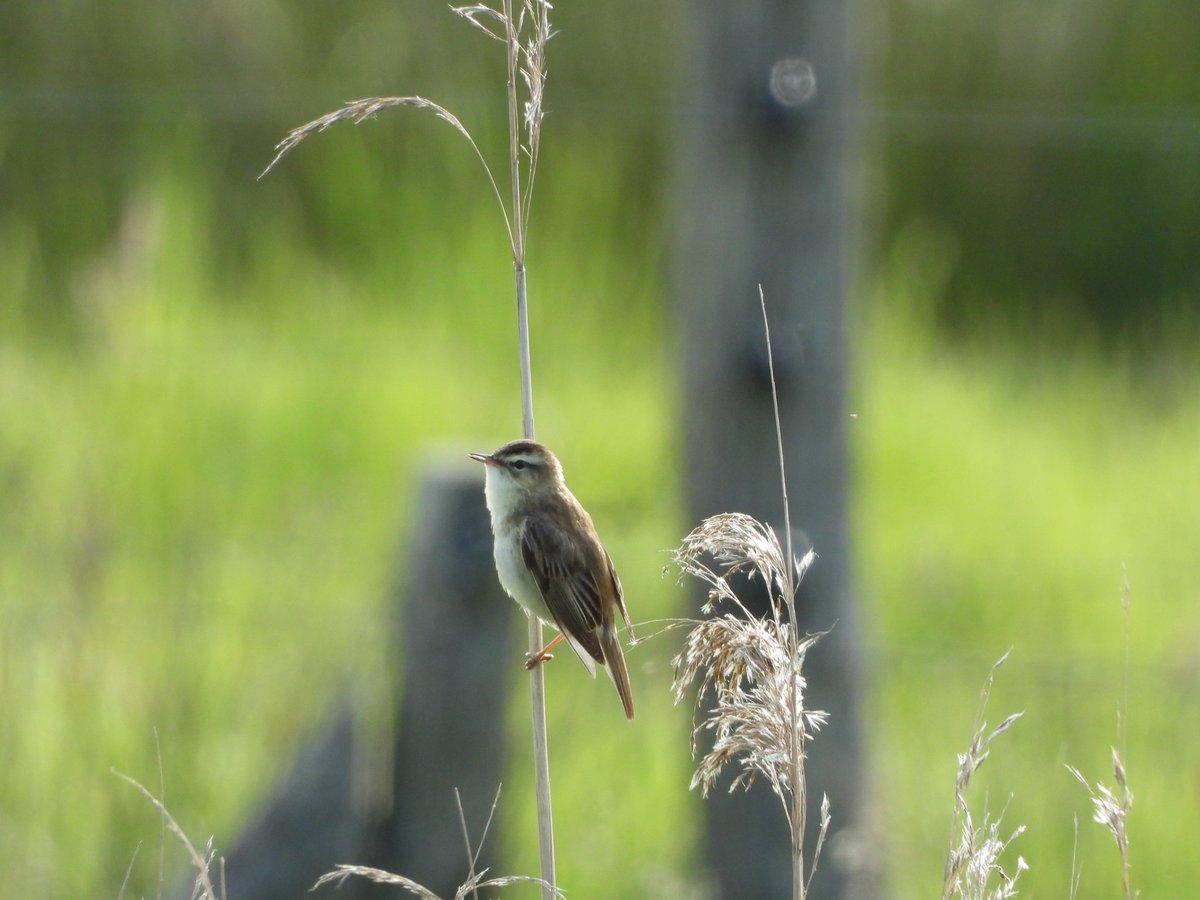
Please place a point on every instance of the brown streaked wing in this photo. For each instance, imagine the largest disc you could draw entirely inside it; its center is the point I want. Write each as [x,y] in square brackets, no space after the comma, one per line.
[563,576]
[619,593]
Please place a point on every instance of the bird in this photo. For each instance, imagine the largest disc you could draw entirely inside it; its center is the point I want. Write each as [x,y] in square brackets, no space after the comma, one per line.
[549,559]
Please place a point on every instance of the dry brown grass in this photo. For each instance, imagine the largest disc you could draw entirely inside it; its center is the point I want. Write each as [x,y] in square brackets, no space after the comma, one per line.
[973,869]
[468,888]
[1110,807]
[751,665]
[475,880]
[746,663]
[202,863]
[525,35]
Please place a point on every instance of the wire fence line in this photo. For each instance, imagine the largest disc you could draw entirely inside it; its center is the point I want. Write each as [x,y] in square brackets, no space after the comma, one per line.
[246,104]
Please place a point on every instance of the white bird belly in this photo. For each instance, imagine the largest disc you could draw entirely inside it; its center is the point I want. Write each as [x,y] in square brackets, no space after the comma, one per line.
[516,580]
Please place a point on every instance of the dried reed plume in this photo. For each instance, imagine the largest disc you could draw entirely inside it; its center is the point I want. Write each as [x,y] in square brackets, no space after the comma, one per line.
[525,35]
[973,860]
[745,661]
[752,665]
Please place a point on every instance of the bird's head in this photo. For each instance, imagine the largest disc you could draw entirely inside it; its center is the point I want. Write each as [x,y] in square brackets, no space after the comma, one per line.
[521,469]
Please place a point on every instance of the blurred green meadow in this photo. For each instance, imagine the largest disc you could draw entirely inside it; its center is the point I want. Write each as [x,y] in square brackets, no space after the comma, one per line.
[218,396]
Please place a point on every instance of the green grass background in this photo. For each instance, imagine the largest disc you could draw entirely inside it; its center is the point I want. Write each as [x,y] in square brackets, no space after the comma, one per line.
[207,488]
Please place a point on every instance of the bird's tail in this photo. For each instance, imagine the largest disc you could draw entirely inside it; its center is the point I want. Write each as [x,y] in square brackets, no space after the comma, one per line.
[614,660]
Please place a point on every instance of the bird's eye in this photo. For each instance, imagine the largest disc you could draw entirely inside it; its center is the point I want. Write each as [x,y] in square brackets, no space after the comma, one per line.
[519,464]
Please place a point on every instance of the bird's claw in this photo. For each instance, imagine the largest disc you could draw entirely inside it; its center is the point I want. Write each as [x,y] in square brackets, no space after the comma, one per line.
[533,660]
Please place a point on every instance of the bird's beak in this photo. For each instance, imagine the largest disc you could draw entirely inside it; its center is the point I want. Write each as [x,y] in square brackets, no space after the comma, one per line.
[483,458]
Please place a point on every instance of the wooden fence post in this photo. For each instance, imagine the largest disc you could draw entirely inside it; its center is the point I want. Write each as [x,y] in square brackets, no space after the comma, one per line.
[459,655]
[766,163]
[453,628]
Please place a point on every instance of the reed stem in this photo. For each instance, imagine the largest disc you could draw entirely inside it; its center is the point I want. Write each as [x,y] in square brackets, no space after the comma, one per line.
[537,678]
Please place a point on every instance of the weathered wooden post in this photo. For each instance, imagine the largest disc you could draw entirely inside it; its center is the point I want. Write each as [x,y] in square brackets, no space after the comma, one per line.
[453,629]
[767,153]
[458,655]
[308,825]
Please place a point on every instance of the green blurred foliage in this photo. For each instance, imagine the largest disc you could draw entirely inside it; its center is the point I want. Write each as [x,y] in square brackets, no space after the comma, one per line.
[1050,148]
[96,105]
[1009,502]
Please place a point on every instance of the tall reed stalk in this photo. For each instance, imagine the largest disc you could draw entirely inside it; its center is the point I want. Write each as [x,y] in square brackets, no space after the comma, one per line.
[534,74]
[524,32]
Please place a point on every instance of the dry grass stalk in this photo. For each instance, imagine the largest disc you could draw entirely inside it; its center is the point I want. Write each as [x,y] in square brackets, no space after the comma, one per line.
[973,860]
[129,871]
[1110,808]
[201,862]
[1073,888]
[745,661]
[753,665]
[525,35]
[977,861]
[475,882]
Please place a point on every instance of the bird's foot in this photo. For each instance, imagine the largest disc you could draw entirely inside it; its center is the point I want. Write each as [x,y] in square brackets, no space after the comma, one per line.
[533,660]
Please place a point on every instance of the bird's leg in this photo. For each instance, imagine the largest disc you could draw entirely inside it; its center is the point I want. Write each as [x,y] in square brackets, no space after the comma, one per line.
[533,660]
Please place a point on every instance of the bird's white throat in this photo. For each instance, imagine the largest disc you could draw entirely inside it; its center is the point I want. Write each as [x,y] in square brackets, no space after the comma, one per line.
[502,494]
[504,498]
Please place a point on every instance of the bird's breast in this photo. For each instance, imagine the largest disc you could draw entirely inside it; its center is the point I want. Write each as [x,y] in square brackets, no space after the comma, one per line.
[515,578]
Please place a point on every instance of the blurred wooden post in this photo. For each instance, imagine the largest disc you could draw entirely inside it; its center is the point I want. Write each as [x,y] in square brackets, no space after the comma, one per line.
[456,650]
[308,825]
[458,656]
[767,155]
